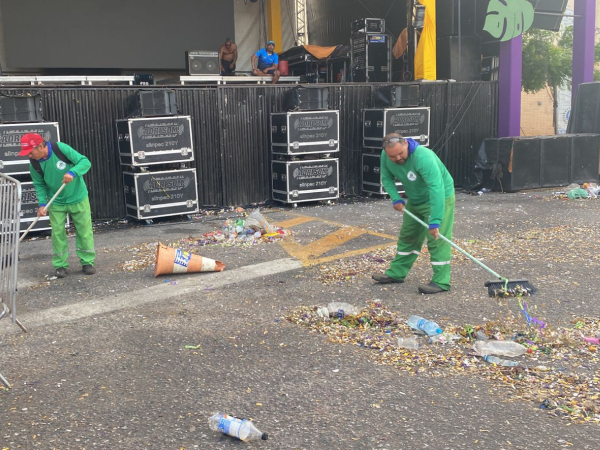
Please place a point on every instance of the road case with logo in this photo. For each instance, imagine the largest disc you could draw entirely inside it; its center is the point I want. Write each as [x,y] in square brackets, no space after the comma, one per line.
[29,208]
[371,175]
[306,181]
[10,144]
[145,141]
[160,194]
[409,122]
[305,132]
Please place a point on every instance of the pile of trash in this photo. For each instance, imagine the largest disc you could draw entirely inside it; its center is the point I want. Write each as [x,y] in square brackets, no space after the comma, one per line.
[575,191]
[558,369]
[252,230]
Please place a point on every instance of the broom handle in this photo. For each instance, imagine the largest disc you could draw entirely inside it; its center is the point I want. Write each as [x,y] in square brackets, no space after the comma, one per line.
[471,257]
[45,209]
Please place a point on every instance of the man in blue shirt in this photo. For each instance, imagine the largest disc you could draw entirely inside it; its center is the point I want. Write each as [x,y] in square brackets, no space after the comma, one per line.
[266,62]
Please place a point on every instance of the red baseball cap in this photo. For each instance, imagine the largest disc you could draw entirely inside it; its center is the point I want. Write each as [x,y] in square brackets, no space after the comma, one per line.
[28,141]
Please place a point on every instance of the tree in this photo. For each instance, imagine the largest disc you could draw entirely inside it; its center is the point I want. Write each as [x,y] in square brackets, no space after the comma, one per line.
[548,59]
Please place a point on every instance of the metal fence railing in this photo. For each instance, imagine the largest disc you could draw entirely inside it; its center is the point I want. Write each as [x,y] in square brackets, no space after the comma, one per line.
[10,206]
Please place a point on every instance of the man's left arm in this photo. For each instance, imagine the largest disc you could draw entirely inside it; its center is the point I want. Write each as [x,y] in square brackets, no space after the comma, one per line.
[81,164]
[432,176]
[235,56]
[275,61]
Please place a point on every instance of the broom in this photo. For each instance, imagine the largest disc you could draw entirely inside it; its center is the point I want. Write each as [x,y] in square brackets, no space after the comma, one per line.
[503,287]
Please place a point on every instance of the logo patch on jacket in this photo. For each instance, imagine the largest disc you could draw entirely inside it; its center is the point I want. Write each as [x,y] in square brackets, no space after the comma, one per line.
[411,176]
[61,165]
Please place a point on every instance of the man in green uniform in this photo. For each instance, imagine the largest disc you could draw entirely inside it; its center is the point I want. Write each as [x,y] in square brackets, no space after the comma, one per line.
[429,189]
[51,165]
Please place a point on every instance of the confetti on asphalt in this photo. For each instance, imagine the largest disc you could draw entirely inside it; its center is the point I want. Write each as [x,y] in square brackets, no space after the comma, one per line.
[144,255]
[559,244]
[559,373]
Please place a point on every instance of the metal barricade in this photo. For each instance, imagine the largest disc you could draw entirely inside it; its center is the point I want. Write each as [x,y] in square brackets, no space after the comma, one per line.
[10,207]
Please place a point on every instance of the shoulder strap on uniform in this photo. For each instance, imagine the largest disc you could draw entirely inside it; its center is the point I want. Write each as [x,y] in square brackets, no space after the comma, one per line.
[59,154]
[37,166]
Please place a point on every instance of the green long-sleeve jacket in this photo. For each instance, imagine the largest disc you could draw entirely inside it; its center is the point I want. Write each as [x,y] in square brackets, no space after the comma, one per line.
[425,180]
[54,170]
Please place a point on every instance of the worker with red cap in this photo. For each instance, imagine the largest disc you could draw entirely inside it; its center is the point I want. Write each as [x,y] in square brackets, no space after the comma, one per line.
[51,165]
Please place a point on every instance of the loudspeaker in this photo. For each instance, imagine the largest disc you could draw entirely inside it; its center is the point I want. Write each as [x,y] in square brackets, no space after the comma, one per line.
[20,109]
[514,164]
[202,63]
[585,114]
[151,103]
[397,96]
[448,17]
[585,151]
[555,160]
[447,58]
[143,79]
[548,14]
[306,99]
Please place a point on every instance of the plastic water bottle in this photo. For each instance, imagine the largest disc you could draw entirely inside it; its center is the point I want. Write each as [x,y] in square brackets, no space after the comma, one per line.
[424,325]
[241,429]
[502,348]
[500,361]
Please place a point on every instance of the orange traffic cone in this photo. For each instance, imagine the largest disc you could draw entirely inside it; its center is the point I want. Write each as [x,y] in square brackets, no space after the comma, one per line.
[170,260]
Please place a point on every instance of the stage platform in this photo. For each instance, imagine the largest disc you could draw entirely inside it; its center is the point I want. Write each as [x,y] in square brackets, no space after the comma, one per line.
[202,79]
[84,80]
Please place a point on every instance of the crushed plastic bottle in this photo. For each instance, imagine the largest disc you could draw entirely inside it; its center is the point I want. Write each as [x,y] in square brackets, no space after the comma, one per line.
[424,325]
[242,429]
[502,348]
[323,313]
[480,335]
[443,338]
[411,342]
[500,361]
[341,309]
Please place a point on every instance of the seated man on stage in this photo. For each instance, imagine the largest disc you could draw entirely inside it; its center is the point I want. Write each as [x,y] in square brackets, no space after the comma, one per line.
[227,57]
[268,62]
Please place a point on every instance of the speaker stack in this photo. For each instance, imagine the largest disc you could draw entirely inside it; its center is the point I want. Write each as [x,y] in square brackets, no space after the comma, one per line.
[452,41]
[399,112]
[370,51]
[303,140]
[20,115]
[515,164]
[156,151]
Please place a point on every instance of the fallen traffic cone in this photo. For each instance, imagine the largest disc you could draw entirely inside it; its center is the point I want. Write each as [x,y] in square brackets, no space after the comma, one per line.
[170,260]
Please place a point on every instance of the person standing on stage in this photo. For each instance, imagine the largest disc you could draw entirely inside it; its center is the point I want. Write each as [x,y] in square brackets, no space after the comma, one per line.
[51,165]
[266,62]
[228,56]
[429,188]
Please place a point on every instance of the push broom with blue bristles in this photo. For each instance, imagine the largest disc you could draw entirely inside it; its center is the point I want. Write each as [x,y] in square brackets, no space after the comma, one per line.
[502,287]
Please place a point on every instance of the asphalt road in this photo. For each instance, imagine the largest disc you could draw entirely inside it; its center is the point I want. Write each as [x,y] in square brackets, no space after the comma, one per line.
[104,364]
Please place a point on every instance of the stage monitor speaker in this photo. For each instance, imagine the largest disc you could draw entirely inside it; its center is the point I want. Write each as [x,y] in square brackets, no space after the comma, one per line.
[143,79]
[548,14]
[306,99]
[448,17]
[202,63]
[20,109]
[152,103]
[585,113]
[585,154]
[448,67]
[397,96]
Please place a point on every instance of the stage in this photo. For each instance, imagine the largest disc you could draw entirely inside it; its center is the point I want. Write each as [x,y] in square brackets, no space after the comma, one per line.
[231,132]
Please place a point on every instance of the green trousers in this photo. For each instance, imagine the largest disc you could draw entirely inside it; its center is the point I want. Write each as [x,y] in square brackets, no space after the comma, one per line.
[84,237]
[411,238]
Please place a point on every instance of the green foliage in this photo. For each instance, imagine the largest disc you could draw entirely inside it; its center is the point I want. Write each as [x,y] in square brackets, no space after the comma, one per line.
[545,60]
[548,59]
